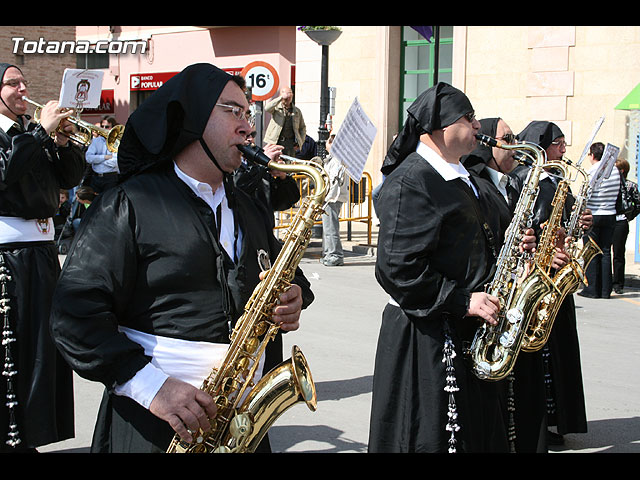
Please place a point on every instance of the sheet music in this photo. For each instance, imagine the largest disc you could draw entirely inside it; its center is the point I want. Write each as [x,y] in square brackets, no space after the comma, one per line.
[605,165]
[353,141]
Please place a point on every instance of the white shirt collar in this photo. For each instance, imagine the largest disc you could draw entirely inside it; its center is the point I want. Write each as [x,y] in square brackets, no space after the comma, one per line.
[499,179]
[448,171]
[6,123]
[202,190]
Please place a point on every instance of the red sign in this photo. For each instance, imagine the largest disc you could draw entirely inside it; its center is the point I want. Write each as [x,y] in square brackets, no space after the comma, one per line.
[106,104]
[149,81]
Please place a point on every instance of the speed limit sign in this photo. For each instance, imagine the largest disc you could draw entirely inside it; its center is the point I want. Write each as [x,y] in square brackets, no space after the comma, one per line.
[262,79]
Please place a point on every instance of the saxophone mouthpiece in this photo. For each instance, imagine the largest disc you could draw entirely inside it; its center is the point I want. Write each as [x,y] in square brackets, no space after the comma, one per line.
[254,154]
[487,140]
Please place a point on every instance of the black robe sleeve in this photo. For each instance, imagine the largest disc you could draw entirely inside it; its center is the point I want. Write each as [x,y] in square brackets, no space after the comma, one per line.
[33,170]
[95,284]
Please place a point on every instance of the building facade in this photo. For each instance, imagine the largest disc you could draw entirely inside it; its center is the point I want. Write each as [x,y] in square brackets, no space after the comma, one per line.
[571,75]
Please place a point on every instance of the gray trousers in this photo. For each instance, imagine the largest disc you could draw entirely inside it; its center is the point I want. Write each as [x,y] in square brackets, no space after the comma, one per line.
[331,244]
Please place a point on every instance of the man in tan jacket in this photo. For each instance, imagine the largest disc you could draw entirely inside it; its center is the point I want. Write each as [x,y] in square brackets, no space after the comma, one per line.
[287,127]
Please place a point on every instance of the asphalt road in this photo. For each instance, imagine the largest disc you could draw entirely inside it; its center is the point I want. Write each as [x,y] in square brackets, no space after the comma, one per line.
[338,337]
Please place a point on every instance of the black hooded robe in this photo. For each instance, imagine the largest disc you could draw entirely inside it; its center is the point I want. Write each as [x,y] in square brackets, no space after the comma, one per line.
[32,172]
[147,257]
[432,254]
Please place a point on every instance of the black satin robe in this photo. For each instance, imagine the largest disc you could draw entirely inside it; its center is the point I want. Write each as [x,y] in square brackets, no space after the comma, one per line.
[432,254]
[32,172]
[146,258]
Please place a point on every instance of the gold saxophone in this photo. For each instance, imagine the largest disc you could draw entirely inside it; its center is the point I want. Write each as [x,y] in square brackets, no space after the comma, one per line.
[241,423]
[517,282]
[581,250]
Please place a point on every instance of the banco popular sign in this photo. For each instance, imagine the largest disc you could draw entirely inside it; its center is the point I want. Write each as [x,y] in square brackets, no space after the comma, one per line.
[149,81]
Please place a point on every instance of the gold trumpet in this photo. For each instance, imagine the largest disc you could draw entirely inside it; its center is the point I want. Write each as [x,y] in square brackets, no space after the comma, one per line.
[85,130]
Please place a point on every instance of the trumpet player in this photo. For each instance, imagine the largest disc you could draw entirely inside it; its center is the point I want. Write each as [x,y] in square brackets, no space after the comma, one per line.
[36,387]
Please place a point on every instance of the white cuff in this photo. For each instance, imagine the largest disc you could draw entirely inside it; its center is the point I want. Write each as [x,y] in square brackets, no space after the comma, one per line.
[144,385]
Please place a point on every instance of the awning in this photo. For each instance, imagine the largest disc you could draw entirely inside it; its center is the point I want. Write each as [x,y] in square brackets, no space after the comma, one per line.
[631,101]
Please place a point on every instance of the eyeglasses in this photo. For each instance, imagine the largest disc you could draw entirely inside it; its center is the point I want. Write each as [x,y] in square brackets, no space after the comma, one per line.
[238,112]
[471,116]
[15,82]
[508,138]
[559,143]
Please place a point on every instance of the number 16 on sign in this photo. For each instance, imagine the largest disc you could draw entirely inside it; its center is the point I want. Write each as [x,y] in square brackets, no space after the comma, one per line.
[262,79]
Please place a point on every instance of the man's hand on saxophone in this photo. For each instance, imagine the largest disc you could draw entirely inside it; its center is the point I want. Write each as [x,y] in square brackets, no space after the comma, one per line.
[184,407]
[287,312]
[485,306]
[561,257]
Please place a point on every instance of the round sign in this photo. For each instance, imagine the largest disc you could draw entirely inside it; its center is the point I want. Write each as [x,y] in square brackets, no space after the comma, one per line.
[262,79]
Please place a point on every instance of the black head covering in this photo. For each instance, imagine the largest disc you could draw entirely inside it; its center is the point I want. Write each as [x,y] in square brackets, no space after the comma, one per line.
[174,116]
[4,67]
[482,153]
[541,133]
[435,108]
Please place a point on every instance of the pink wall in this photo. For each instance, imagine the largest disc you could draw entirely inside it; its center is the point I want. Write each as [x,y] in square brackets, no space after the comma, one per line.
[170,49]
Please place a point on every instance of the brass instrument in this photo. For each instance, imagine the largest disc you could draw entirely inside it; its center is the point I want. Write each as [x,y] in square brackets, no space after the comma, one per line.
[581,250]
[517,283]
[546,246]
[240,423]
[85,130]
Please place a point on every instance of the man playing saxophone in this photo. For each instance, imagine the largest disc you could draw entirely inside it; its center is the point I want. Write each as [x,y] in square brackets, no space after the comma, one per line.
[564,397]
[435,255]
[164,263]
[33,169]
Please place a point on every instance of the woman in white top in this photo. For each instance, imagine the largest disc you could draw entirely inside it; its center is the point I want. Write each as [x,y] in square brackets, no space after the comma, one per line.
[603,206]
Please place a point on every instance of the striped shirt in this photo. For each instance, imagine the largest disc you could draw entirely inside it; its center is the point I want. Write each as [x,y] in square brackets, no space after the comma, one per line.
[603,199]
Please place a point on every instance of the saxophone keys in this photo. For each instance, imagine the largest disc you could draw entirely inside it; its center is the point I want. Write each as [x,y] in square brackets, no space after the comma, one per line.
[229,385]
[264,262]
[251,345]
[241,426]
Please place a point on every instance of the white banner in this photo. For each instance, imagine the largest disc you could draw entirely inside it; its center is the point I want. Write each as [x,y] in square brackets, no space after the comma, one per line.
[81,88]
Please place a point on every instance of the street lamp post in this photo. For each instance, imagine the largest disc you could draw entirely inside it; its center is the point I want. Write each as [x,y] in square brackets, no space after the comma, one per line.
[324,38]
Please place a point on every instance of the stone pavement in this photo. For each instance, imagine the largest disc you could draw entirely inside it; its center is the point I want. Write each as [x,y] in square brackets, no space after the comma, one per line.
[338,336]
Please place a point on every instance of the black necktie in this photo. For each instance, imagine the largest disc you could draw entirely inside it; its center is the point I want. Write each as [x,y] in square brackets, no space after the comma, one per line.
[219,220]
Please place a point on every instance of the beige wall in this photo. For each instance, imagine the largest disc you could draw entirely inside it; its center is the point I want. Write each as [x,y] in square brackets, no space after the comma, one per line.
[571,75]
[362,63]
